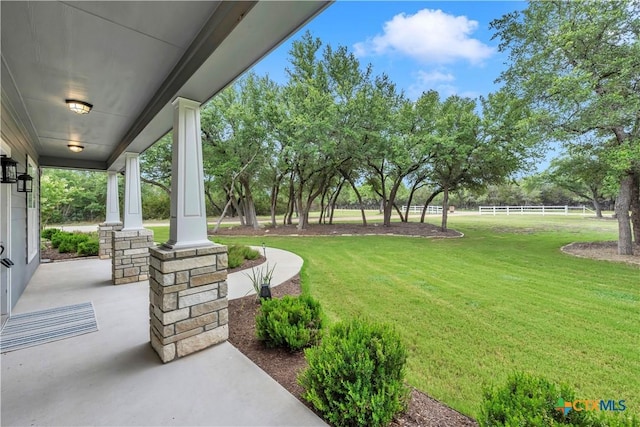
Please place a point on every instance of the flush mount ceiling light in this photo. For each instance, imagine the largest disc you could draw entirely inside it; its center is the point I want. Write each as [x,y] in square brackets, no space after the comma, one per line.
[75,148]
[79,107]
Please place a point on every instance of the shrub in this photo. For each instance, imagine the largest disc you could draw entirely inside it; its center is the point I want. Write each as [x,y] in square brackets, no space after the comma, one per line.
[527,400]
[47,233]
[292,322]
[89,248]
[68,242]
[356,375]
[238,253]
[249,253]
[57,238]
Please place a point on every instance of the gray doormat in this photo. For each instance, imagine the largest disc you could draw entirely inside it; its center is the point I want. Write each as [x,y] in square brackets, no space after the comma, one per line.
[40,327]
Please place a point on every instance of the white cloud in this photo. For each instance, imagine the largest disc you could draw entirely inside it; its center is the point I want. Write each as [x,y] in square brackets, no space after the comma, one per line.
[429,36]
[438,80]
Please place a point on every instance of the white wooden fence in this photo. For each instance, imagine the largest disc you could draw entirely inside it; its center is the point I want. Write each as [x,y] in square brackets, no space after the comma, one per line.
[534,210]
[418,209]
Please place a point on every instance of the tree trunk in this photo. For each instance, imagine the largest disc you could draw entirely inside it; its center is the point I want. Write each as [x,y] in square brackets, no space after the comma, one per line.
[334,199]
[402,217]
[426,204]
[275,189]
[635,207]
[414,187]
[322,207]
[250,207]
[445,208]
[288,218]
[596,204]
[359,196]
[623,203]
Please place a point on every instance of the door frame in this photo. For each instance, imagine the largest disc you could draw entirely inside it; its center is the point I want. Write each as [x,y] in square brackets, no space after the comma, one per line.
[5,239]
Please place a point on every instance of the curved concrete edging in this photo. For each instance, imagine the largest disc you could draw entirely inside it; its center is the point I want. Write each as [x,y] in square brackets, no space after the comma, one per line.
[287,265]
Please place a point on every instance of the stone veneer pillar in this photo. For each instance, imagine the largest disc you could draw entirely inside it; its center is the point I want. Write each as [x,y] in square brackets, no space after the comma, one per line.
[130,255]
[188,299]
[106,242]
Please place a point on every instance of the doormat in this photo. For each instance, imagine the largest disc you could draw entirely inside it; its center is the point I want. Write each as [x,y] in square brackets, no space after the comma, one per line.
[44,326]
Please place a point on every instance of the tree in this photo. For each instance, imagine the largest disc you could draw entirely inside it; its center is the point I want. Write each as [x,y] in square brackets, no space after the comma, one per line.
[402,144]
[474,151]
[236,130]
[583,174]
[578,65]
[155,164]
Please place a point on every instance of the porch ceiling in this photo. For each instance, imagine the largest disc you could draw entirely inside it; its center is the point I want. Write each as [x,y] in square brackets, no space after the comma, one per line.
[129,59]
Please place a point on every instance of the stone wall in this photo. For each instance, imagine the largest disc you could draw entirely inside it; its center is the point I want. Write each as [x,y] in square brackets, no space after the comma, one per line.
[188,299]
[104,234]
[130,260]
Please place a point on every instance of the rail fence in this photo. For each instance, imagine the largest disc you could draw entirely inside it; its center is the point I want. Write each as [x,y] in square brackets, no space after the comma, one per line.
[418,209]
[534,210]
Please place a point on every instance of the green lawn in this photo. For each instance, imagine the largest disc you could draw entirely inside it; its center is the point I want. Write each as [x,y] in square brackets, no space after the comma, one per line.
[503,298]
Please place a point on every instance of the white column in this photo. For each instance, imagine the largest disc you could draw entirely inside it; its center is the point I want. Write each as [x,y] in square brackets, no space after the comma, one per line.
[113,201]
[132,196]
[188,223]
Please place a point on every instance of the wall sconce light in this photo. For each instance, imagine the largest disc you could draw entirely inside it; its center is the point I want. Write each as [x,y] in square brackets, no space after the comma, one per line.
[9,170]
[75,148]
[25,183]
[79,107]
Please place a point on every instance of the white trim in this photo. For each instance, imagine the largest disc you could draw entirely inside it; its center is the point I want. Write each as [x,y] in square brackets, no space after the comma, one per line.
[33,211]
[5,238]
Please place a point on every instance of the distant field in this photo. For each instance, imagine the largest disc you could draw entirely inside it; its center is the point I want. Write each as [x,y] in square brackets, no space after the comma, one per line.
[502,298]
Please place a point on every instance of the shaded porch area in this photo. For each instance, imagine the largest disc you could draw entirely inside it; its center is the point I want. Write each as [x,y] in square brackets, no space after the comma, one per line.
[114,377]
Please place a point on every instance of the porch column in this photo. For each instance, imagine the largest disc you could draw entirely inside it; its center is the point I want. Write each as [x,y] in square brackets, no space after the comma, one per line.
[188,222]
[130,261]
[188,295]
[112,221]
[132,197]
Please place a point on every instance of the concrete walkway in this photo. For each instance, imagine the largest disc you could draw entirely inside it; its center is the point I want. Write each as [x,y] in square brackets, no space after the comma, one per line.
[286,265]
[113,378]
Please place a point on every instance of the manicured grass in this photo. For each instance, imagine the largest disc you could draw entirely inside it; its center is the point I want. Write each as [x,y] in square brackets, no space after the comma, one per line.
[502,298]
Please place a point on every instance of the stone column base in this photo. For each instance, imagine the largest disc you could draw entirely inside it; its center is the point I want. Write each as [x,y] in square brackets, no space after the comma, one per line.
[104,234]
[130,260]
[188,299]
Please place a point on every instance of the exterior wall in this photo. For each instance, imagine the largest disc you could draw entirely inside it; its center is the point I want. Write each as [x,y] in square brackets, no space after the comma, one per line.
[21,147]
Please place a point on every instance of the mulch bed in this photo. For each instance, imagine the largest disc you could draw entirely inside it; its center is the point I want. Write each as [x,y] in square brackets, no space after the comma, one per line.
[284,366]
[604,251]
[400,229]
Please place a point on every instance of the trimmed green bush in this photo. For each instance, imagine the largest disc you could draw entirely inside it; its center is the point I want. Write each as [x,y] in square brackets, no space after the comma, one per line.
[47,233]
[291,322]
[527,400]
[58,237]
[356,375]
[238,253]
[89,248]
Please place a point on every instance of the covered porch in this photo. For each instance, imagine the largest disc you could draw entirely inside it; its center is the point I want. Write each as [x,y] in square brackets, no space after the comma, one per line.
[114,377]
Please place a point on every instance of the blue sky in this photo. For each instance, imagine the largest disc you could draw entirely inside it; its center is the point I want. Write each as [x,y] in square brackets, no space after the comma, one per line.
[421,45]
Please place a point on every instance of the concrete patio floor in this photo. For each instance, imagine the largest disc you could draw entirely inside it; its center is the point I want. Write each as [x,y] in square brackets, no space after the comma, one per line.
[113,377]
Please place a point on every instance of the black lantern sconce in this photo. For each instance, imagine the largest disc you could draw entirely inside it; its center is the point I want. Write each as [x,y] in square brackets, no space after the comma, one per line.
[25,183]
[9,170]
[10,175]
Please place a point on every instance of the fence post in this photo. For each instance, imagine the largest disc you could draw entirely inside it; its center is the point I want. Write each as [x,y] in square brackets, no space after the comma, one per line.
[507,210]
[543,210]
[494,211]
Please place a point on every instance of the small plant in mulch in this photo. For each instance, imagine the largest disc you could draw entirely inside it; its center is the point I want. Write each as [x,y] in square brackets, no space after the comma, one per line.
[290,322]
[261,279]
[356,375]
